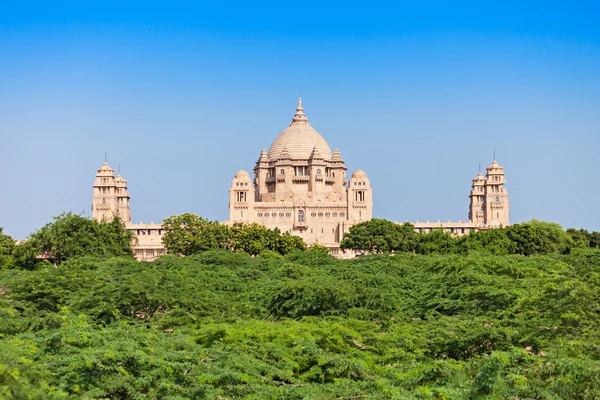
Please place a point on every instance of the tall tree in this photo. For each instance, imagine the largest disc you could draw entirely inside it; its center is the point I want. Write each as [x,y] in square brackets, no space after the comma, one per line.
[188,234]
[437,242]
[254,239]
[380,236]
[538,237]
[73,235]
[7,247]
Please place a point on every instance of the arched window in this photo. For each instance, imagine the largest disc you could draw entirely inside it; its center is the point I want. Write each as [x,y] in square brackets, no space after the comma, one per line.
[318,172]
[103,201]
[497,198]
[301,216]
[281,172]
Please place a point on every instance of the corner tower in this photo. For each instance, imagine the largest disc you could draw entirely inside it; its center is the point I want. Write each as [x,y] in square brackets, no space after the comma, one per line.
[496,197]
[123,198]
[110,196]
[477,200]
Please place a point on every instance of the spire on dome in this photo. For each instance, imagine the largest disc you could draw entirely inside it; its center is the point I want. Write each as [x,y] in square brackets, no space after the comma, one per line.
[299,116]
[105,168]
[316,154]
[336,156]
[263,157]
[479,178]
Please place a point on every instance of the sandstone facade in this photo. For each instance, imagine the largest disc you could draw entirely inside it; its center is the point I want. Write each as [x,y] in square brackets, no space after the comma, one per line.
[300,186]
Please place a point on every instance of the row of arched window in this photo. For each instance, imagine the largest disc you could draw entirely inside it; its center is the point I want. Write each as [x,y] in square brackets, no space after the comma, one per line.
[301,212]
[274,214]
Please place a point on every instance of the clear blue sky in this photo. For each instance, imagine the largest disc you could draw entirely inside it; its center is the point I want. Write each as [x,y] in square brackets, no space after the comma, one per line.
[182,95]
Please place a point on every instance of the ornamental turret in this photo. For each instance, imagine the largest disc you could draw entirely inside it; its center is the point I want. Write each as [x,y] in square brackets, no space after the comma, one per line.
[477,201]
[104,201]
[360,197]
[123,198]
[111,197]
[241,197]
[496,197]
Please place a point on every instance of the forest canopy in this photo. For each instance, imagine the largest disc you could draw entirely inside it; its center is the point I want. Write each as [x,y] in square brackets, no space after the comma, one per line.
[304,325]
[503,313]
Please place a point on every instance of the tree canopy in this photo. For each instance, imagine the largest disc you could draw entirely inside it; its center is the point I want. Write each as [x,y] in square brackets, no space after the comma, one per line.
[380,236]
[529,238]
[188,234]
[7,247]
[72,235]
[221,324]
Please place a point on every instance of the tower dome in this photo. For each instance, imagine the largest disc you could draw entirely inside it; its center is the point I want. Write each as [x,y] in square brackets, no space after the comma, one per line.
[300,139]
[241,174]
[359,174]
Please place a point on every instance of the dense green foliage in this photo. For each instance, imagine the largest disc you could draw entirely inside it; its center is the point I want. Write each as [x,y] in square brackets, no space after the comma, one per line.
[71,236]
[529,238]
[304,326]
[188,234]
[7,248]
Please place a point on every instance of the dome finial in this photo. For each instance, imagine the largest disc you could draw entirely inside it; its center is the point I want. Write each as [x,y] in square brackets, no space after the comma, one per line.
[300,116]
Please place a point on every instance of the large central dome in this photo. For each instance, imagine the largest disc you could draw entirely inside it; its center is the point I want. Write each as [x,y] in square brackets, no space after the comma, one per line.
[299,139]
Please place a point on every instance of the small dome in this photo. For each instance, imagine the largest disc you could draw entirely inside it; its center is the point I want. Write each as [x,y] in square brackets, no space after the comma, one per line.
[105,167]
[359,174]
[241,174]
[479,177]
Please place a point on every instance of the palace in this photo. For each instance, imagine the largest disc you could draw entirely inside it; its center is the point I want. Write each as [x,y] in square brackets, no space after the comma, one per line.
[300,186]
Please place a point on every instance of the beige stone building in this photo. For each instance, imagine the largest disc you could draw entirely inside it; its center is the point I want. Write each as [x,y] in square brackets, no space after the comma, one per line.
[111,199]
[488,207]
[300,186]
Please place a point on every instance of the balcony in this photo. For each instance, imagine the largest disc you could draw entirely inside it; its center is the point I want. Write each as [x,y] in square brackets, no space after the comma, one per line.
[330,180]
[303,178]
[300,225]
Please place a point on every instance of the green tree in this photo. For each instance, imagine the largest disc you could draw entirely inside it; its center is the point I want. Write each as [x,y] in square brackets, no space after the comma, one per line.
[595,239]
[25,256]
[494,241]
[380,236]
[538,237]
[287,243]
[7,247]
[580,237]
[254,239]
[188,234]
[73,235]
[437,242]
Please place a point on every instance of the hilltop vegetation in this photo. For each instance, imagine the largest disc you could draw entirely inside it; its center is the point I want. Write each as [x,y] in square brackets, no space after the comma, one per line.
[529,238]
[471,322]
[304,326]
